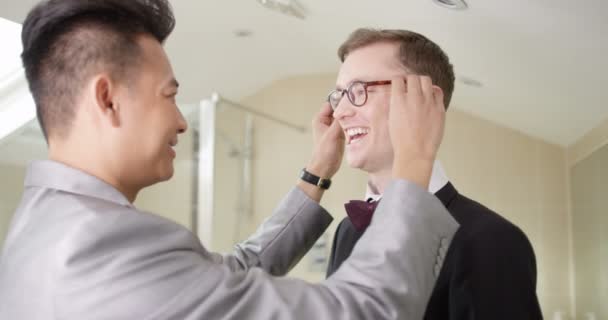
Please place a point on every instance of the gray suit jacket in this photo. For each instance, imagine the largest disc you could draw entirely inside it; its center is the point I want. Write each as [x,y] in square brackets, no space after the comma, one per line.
[77,249]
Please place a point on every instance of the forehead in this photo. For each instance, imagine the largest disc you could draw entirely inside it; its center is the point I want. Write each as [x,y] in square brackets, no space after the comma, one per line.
[154,57]
[372,62]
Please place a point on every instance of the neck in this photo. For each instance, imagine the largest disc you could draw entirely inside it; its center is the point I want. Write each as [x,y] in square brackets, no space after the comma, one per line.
[90,163]
[378,181]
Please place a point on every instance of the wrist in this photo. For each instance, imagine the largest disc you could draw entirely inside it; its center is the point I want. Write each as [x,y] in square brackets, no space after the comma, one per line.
[417,170]
[315,180]
[319,170]
[313,192]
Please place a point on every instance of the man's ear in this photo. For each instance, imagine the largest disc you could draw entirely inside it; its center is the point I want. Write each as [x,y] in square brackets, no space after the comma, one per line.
[106,99]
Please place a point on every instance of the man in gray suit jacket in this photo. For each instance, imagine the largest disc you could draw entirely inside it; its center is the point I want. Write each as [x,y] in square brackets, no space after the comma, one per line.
[78,249]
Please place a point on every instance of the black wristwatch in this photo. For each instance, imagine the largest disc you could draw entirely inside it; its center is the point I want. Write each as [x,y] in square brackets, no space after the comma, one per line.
[317,181]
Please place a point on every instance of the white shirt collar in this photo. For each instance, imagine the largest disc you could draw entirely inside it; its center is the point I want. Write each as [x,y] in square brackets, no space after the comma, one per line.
[438,180]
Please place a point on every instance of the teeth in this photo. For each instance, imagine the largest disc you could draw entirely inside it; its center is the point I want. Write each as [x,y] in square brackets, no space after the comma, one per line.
[355,131]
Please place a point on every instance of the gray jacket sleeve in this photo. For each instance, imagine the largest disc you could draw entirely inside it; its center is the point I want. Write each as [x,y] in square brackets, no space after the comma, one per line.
[283,239]
[388,276]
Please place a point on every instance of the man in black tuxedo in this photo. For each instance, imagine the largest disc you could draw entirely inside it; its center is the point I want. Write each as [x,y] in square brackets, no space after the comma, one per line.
[489,271]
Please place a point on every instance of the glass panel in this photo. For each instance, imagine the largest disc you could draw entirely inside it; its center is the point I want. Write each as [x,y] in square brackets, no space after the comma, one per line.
[232,183]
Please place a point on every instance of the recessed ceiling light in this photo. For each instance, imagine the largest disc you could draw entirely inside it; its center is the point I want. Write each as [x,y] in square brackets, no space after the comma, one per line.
[470,82]
[288,7]
[452,4]
[243,33]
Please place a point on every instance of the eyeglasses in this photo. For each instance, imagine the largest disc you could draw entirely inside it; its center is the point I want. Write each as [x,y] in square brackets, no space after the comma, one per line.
[356,93]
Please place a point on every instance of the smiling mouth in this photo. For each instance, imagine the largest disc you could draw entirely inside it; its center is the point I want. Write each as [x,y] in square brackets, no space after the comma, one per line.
[172,146]
[356,134]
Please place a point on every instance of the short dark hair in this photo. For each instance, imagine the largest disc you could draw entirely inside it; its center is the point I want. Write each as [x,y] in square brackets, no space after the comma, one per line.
[416,52]
[66,41]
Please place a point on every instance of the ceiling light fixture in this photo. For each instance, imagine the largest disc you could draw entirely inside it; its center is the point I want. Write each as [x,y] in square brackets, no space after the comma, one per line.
[452,4]
[470,82]
[288,7]
[243,33]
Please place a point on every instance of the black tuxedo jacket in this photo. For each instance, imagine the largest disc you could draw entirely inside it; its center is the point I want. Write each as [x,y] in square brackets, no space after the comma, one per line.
[489,271]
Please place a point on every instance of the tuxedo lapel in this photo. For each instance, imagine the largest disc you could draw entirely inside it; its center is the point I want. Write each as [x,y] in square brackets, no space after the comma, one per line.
[447,194]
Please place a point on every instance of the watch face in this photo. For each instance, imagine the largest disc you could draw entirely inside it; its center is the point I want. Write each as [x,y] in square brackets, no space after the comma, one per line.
[325,183]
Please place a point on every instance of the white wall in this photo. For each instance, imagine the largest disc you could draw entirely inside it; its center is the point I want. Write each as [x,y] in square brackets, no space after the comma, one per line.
[590,229]
[591,142]
[523,179]
[589,189]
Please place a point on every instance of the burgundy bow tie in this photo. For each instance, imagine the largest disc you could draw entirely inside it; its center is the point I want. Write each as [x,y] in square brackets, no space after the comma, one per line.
[360,213]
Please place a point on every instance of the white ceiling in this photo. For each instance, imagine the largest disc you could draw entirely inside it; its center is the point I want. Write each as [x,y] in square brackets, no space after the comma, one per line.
[542,62]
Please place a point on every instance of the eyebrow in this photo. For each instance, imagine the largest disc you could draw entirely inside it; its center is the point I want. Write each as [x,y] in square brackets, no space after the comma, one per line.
[348,84]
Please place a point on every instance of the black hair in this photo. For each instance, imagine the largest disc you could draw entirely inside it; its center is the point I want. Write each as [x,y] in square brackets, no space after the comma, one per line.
[66,41]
